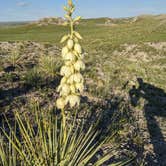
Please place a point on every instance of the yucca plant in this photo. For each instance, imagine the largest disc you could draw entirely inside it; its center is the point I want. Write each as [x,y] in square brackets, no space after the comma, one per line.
[32,77]
[15,57]
[41,143]
[48,65]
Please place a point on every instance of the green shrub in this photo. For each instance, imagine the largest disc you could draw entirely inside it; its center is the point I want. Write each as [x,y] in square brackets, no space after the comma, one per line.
[41,143]
[48,65]
[15,57]
[32,78]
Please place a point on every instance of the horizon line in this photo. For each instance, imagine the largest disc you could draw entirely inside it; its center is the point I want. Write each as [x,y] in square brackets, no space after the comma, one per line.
[17,21]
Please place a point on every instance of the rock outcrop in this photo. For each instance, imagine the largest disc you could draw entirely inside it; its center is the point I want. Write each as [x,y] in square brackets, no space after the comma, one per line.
[49,21]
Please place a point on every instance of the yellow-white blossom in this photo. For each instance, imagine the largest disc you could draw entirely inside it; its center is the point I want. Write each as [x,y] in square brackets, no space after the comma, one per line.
[79,86]
[79,65]
[63,80]
[60,103]
[65,50]
[69,56]
[65,90]
[78,48]
[66,71]
[70,44]
[73,88]
[73,100]
[68,63]
[70,79]
[78,78]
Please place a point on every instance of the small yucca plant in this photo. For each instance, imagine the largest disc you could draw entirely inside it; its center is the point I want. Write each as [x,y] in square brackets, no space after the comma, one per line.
[42,143]
[15,57]
[32,78]
[48,65]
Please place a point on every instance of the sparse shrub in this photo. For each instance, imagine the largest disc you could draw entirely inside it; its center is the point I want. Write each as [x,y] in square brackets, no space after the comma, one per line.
[48,65]
[32,78]
[15,56]
[10,77]
[42,143]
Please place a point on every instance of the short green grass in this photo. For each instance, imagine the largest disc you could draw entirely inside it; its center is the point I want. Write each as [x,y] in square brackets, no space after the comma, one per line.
[93,31]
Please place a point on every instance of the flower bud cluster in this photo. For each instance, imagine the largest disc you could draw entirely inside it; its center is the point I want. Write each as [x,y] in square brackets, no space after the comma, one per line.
[72,82]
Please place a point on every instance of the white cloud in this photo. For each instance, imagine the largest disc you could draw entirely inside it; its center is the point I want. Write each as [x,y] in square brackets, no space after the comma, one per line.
[22,4]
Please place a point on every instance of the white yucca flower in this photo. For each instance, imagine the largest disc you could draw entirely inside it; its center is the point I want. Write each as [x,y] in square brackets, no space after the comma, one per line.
[78,48]
[66,71]
[80,87]
[70,44]
[60,103]
[73,100]
[79,65]
[73,88]
[68,63]
[63,80]
[78,78]
[65,90]
[70,56]
[65,50]
[75,53]
[70,79]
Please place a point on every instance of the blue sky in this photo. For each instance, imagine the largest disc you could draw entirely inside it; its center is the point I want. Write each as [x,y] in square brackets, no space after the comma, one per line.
[22,10]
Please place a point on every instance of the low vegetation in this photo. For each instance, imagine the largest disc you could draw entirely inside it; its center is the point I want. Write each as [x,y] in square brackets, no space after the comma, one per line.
[124,92]
[41,143]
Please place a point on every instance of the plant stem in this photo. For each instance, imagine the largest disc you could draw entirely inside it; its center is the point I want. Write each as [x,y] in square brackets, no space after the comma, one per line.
[64,125]
[71,25]
[72,28]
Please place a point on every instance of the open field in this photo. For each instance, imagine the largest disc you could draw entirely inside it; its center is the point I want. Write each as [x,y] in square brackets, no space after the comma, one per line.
[99,41]
[125,75]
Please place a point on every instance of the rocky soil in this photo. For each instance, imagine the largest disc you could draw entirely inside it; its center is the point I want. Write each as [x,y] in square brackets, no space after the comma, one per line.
[137,115]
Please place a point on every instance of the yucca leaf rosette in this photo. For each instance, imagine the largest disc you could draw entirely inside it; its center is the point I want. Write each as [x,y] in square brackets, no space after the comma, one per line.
[72,82]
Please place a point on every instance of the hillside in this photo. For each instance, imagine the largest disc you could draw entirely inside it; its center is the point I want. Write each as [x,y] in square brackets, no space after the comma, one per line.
[125,77]
[12,24]
[49,21]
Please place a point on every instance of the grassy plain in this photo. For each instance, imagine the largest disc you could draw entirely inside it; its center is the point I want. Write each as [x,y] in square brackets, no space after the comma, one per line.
[126,62]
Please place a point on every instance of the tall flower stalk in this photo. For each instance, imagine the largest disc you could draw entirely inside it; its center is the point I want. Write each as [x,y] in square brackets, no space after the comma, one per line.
[72,83]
